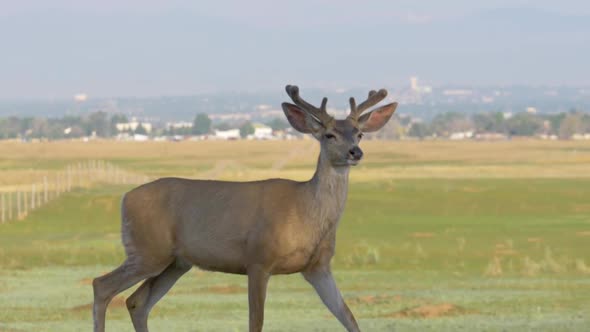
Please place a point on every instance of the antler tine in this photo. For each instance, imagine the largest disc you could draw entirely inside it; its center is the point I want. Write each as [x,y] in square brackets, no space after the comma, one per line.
[319,113]
[324,103]
[374,98]
[352,105]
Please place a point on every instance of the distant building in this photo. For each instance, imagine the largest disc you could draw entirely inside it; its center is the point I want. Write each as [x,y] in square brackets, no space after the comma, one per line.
[81,97]
[457,92]
[461,135]
[263,107]
[578,137]
[125,136]
[286,134]
[549,137]
[140,138]
[414,83]
[262,131]
[230,134]
[230,116]
[417,88]
[132,126]
[490,136]
[179,125]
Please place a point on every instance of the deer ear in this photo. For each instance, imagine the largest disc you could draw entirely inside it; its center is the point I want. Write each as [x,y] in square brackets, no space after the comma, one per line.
[300,120]
[377,118]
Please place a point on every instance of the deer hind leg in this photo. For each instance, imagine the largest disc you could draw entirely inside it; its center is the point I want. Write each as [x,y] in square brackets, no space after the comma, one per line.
[151,291]
[322,280]
[108,286]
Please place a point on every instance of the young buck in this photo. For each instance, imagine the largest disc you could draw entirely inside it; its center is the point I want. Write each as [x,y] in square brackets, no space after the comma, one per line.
[258,229]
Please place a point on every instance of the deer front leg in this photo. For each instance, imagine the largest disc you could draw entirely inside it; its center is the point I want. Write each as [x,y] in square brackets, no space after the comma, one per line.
[321,279]
[257,282]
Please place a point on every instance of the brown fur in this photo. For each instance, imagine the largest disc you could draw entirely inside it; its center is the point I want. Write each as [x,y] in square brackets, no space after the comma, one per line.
[259,228]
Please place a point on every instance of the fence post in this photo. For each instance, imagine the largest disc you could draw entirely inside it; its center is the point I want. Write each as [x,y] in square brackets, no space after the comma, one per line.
[90,173]
[33,189]
[69,188]
[25,204]
[56,186]
[10,205]
[62,182]
[39,199]
[18,205]
[84,174]
[78,171]
[45,196]
[3,207]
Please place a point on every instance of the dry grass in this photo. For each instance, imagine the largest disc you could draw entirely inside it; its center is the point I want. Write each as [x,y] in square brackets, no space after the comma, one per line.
[23,163]
[430,311]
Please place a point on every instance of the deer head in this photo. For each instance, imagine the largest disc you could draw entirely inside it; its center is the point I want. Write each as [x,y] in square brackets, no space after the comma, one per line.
[338,139]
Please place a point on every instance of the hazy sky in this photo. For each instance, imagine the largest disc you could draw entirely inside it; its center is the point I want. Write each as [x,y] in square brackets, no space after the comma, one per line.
[55,49]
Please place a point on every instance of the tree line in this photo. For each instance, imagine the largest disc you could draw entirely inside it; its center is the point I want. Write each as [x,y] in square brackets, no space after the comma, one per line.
[563,125]
[97,123]
[101,124]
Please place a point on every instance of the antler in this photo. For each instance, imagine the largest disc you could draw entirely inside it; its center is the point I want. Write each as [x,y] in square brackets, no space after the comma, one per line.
[374,98]
[319,114]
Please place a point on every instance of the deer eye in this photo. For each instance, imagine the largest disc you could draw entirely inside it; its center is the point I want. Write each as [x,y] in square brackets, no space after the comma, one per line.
[360,135]
[329,136]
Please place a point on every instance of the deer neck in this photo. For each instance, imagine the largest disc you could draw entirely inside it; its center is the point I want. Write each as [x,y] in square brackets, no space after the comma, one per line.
[329,189]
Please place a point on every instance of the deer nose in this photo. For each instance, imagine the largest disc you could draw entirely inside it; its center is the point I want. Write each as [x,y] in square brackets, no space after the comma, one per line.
[355,153]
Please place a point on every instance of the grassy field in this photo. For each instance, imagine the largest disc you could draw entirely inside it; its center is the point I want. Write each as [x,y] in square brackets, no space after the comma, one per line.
[437,236]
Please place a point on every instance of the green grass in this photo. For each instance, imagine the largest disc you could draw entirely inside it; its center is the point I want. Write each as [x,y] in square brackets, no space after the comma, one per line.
[402,244]
[496,231]
[218,302]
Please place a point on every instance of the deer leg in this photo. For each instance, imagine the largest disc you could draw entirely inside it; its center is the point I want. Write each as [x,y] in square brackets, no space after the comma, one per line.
[109,285]
[151,291]
[257,282]
[321,279]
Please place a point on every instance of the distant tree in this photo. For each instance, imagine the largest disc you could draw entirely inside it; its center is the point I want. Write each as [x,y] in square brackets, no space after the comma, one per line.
[77,131]
[99,123]
[420,130]
[38,128]
[573,123]
[25,126]
[524,124]
[183,131]
[278,124]
[223,126]
[446,123]
[586,123]
[55,129]
[140,130]
[555,121]
[10,127]
[201,124]
[246,129]
[489,122]
[119,118]
[392,130]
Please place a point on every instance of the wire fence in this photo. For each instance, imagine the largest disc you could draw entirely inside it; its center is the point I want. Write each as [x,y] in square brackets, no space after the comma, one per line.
[17,202]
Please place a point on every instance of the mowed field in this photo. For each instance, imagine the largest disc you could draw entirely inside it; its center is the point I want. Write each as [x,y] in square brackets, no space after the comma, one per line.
[436,236]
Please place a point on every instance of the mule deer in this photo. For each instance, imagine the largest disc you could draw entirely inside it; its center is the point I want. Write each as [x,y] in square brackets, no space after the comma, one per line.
[258,228]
